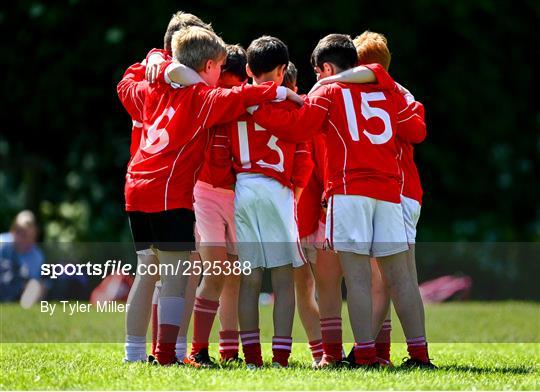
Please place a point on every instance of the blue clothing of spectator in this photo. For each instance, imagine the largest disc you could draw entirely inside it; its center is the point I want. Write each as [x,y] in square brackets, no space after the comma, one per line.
[17,268]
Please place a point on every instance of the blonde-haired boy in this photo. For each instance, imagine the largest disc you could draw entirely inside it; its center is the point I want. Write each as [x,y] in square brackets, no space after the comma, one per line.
[162,171]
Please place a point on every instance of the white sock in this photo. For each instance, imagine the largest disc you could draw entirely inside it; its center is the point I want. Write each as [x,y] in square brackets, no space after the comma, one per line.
[181,347]
[135,348]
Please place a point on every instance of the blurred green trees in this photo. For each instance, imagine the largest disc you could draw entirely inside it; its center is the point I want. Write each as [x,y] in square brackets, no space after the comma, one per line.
[65,137]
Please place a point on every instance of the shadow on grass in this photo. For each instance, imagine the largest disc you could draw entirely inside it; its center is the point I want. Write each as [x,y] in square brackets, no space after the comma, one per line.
[509,370]
[521,369]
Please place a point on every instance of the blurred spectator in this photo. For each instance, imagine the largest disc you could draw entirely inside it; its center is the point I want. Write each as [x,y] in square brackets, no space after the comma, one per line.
[20,262]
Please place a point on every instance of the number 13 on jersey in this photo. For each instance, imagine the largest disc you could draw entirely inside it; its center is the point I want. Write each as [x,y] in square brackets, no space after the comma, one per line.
[245,156]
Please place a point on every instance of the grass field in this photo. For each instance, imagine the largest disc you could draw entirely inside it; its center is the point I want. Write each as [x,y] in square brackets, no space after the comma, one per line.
[500,354]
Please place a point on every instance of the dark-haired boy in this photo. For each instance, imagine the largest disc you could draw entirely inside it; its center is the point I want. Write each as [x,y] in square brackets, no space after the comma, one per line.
[264,209]
[364,215]
[372,47]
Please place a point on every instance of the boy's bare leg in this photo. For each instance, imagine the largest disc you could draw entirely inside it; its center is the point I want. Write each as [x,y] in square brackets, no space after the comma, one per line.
[404,293]
[212,285]
[411,262]
[357,273]
[284,301]
[308,310]
[140,298]
[248,300]
[283,287]
[139,310]
[328,277]
[380,297]
[382,324]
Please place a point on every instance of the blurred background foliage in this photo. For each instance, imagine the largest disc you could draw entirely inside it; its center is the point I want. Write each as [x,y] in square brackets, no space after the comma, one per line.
[65,137]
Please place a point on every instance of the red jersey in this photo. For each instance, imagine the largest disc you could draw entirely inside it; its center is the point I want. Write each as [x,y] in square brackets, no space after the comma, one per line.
[218,176]
[250,148]
[221,178]
[361,122]
[136,74]
[309,209]
[162,173]
[411,187]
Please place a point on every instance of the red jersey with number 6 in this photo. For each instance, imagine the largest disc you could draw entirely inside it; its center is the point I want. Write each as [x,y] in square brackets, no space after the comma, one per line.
[175,122]
[361,122]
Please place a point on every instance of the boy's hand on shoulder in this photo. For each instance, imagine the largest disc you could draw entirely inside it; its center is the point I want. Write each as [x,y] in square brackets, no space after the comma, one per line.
[152,67]
[294,97]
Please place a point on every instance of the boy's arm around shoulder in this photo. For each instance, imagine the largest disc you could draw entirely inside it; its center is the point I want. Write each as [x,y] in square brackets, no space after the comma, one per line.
[132,89]
[296,124]
[411,125]
[221,105]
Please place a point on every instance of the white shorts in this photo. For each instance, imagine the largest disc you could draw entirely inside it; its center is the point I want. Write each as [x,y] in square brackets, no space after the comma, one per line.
[214,215]
[365,226]
[411,215]
[312,242]
[266,228]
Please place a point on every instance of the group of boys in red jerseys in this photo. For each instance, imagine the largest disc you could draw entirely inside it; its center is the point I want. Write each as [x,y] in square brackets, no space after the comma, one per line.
[316,189]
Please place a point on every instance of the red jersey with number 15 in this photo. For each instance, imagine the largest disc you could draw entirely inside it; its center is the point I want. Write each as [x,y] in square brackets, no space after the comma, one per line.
[162,172]
[361,122]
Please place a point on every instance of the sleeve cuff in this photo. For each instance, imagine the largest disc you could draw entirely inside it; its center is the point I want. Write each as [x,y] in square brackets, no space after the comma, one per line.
[166,73]
[281,93]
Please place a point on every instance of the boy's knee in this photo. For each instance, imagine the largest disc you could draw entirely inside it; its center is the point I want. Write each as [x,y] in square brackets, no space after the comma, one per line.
[250,282]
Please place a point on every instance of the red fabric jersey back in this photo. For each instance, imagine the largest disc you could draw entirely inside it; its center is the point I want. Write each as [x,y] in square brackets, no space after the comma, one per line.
[309,207]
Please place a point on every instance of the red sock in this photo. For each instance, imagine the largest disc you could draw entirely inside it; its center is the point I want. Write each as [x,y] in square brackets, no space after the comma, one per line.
[251,345]
[418,349]
[332,339]
[281,349]
[382,342]
[316,348]
[203,317]
[365,353]
[228,344]
[170,310]
[166,342]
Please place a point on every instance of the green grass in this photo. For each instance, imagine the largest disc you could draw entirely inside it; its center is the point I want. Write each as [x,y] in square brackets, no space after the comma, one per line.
[494,366]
